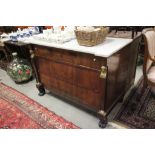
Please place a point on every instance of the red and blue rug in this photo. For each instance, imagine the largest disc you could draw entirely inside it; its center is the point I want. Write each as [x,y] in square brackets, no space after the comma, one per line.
[18,111]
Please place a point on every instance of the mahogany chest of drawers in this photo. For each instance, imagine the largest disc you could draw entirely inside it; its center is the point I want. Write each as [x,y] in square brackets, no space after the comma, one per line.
[93,82]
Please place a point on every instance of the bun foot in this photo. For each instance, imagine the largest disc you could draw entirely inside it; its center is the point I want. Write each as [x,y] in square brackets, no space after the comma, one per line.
[41,93]
[41,89]
[103,119]
[102,124]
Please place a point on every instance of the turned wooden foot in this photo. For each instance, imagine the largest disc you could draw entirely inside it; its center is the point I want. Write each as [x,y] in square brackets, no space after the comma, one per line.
[102,119]
[41,89]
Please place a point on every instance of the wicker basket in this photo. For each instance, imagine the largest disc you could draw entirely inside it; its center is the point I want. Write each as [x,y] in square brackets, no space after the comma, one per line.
[92,38]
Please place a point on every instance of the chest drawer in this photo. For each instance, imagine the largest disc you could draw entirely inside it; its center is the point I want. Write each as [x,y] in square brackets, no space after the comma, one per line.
[76,58]
[55,54]
[90,61]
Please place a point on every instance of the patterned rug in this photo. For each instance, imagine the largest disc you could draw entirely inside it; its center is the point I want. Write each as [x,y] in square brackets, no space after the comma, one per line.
[17,111]
[138,114]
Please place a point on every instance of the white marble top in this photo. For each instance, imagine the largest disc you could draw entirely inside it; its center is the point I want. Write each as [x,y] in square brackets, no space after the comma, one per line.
[106,49]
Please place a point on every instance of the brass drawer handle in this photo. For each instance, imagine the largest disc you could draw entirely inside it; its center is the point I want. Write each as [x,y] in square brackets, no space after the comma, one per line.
[103,73]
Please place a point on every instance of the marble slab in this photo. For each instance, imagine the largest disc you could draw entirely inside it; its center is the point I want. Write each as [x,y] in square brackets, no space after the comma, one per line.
[106,49]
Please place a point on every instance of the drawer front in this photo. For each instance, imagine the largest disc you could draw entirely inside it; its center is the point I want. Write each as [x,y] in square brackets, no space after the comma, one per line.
[76,58]
[55,54]
[90,61]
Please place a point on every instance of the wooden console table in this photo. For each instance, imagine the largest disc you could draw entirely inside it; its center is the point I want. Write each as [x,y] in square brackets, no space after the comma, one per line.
[95,78]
